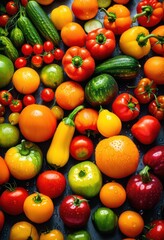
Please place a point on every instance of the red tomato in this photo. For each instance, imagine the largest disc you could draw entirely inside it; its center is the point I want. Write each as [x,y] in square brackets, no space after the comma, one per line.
[51,183]
[16,105]
[29,99]
[156,231]
[24,2]
[58,54]
[5,97]
[3,20]
[47,94]
[48,46]
[11,8]
[2,220]
[74,211]
[20,62]
[126,107]
[81,147]
[156,107]
[37,48]
[12,200]
[37,61]
[27,49]
[48,58]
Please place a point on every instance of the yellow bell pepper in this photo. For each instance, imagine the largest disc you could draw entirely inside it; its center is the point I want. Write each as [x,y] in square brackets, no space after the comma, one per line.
[135,42]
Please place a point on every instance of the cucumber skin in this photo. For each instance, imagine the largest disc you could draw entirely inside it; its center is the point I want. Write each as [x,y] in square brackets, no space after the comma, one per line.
[101,90]
[8,48]
[121,66]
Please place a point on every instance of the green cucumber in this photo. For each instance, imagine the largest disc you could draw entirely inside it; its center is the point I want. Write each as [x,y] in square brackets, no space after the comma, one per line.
[92,24]
[121,66]
[7,48]
[42,22]
[101,90]
[17,37]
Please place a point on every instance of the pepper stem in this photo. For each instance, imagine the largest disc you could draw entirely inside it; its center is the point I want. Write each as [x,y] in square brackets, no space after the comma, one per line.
[111,15]
[144,173]
[24,149]
[142,38]
[70,119]
[146,11]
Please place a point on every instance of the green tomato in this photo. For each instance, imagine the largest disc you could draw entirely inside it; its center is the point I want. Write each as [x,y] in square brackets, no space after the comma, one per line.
[52,75]
[79,235]
[104,219]
[6,70]
[85,179]
[9,135]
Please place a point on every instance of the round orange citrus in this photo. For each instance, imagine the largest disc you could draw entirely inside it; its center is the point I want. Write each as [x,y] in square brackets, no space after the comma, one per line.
[26,80]
[112,195]
[117,156]
[69,95]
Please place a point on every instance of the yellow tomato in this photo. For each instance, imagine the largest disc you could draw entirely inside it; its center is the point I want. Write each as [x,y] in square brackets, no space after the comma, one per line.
[23,230]
[60,16]
[38,207]
[108,123]
[52,235]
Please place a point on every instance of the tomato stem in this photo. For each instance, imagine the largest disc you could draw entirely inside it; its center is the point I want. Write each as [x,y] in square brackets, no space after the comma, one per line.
[37,198]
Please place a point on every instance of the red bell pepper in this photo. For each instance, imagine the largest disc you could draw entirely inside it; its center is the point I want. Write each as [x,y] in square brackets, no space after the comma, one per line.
[146,129]
[78,63]
[101,43]
[149,13]
[156,107]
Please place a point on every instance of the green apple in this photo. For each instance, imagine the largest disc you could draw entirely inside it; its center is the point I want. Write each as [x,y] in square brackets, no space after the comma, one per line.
[85,179]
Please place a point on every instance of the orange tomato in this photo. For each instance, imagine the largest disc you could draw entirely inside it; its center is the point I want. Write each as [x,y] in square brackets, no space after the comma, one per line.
[112,195]
[130,223]
[154,69]
[45,2]
[156,46]
[85,9]
[73,34]
[69,95]
[121,1]
[4,172]
[37,123]
[53,234]
[26,80]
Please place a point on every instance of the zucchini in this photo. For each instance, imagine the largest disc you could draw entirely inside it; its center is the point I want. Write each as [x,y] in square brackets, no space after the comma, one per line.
[42,22]
[29,31]
[8,49]
[121,66]
[17,37]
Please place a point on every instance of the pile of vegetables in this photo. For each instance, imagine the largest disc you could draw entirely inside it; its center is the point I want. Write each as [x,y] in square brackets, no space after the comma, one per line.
[71,76]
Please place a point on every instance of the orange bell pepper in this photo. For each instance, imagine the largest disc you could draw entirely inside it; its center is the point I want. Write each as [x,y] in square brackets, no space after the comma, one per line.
[117,18]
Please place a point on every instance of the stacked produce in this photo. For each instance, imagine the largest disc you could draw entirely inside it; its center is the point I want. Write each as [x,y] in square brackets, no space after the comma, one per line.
[81,119]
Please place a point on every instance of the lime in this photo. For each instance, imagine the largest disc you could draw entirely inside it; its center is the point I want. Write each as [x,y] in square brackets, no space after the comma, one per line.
[104,3]
[52,75]
[9,135]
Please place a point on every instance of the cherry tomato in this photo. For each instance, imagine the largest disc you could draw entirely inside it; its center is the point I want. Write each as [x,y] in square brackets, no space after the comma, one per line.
[156,231]
[38,207]
[27,49]
[2,110]
[58,112]
[37,61]
[2,220]
[11,8]
[52,235]
[48,58]
[37,48]
[12,200]
[20,62]
[48,46]
[2,119]
[74,211]
[47,94]
[24,2]
[28,99]
[81,147]
[3,20]
[16,105]
[51,183]
[156,107]
[58,54]
[5,97]
[14,118]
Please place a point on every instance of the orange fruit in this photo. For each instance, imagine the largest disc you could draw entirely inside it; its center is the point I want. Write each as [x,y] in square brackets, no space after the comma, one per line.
[73,34]
[26,80]
[37,123]
[130,223]
[69,95]
[112,195]
[117,156]
[45,2]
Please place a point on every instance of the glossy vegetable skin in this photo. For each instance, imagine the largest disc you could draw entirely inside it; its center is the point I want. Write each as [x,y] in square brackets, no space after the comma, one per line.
[156,107]
[157,44]
[78,63]
[146,129]
[4,171]
[58,152]
[81,234]
[156,230]
[126,107]
[154,158]
[101,43]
